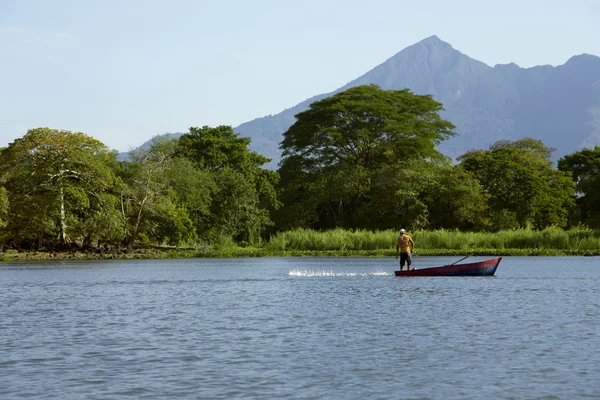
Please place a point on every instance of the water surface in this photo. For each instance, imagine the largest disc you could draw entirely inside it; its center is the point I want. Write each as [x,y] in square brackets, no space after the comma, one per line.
[302,328]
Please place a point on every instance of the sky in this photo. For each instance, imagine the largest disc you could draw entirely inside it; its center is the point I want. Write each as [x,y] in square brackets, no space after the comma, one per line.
[124,71]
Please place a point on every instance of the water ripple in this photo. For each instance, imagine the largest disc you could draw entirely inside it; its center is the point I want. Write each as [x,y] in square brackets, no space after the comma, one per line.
[251,328]
[298,272]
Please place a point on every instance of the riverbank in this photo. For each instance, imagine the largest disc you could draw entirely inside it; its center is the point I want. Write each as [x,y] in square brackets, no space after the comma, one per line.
[22,255]
[355,243]
[241,252]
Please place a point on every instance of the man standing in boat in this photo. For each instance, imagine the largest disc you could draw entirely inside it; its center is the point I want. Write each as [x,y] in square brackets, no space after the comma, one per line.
[404,246]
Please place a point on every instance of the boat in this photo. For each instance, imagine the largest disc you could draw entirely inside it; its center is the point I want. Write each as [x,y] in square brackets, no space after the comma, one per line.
[480,268]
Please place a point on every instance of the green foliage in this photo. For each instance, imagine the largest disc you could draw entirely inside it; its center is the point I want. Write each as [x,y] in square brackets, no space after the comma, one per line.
[216,149]
[4,205]
[395,199]
[235,210]
[243,193]
[533,146]
[55,181]
[169,224]
[149,205]
[367,126]
[547,239]
[335,239]
[584,168]
[192,189]
[424,195]
[455,200]
[31,221]
[428,241]
[522,185]
[357,166]
[352,160]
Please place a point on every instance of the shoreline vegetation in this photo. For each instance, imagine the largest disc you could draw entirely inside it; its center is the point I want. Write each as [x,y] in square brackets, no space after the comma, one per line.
[354,167]
[356,243]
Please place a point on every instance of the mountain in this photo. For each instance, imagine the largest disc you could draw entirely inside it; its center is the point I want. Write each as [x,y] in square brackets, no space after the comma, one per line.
[559,105]
[124,155]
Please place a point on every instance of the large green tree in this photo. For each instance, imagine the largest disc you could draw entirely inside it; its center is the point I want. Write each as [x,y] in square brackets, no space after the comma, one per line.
[60,186]
[524,188]
[367,126]
[342,156]
[244,192]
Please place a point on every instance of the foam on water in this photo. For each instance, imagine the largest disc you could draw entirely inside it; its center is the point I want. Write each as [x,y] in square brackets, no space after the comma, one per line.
[304,272]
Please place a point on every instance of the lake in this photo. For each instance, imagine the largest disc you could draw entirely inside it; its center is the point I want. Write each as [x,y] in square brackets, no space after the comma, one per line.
[299,328]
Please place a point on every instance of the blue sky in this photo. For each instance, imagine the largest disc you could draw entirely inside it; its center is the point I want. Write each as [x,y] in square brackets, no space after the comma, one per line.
[124,71]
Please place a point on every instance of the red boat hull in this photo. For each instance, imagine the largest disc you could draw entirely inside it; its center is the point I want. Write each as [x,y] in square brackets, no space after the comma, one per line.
[481,268]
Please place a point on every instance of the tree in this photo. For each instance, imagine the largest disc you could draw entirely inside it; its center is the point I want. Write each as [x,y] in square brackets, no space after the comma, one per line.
[523,187]
[151,207]
[216,149]
[533,146]
[244,192]
[368,126]
[191,188]
[300,193]
[345,150]
[394,198]
[584,168]
[57,182]
[455,200]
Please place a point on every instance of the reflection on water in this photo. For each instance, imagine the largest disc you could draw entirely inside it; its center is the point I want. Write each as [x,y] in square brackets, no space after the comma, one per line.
[298,328]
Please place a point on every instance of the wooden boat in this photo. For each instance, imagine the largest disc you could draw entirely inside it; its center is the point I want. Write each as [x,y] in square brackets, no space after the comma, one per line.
[480,268]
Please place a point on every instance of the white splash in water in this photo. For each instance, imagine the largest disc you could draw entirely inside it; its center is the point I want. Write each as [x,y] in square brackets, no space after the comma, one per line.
[304,272]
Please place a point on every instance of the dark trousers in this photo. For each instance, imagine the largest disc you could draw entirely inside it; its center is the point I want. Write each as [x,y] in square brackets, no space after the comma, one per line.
[405,257]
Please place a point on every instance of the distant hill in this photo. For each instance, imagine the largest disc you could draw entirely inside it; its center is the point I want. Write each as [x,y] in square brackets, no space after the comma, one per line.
[559,105]
[124,156]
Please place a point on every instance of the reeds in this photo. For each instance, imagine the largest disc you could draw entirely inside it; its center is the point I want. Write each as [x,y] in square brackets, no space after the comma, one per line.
[575,240]
[336,239]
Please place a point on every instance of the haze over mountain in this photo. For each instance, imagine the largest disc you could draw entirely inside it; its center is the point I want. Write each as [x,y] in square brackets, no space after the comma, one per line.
[559,105]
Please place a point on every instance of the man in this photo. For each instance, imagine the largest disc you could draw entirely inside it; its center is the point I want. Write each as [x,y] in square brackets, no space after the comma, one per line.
[404,245]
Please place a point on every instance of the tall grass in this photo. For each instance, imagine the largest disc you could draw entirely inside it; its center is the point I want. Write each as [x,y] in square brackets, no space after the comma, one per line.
[336,239]
[578,240]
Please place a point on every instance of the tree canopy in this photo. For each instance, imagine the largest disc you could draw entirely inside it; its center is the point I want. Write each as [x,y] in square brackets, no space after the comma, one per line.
[584,168]
[523,187]
[244,192]
[367,126]
[150,205]
[365,158]
[59,179]
[345,153]
[220,148]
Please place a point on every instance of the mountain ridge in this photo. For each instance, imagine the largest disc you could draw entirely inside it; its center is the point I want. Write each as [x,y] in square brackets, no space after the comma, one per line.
[557,104]
[486,103]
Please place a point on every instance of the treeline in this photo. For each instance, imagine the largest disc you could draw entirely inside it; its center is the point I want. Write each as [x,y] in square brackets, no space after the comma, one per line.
[62,189]
[364,159]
